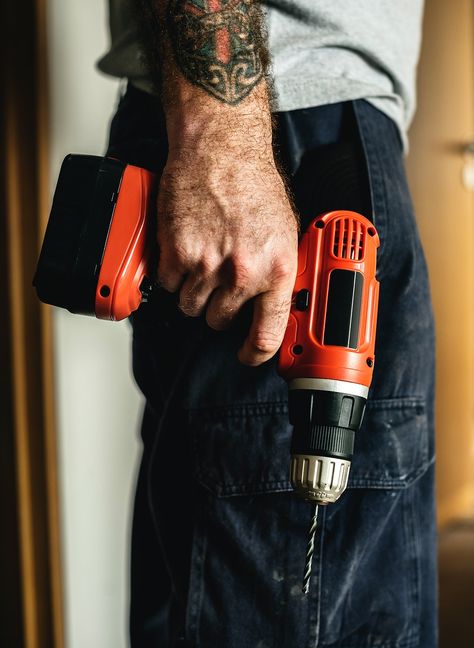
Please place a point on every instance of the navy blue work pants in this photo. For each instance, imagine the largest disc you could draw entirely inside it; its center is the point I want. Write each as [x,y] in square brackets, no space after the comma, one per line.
[219,540]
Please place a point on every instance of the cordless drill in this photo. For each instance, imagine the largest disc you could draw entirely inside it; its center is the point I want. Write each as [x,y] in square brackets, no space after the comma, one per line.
[327,355]
[98,258]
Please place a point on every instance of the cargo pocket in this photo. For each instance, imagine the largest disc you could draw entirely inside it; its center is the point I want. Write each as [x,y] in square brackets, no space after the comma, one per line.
[392,448]
[375,538]
[253,530]
[245,449]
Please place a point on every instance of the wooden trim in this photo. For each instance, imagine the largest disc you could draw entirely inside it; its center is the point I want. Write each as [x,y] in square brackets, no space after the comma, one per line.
[443,125]
[456,507]
[29,364]
[49,391]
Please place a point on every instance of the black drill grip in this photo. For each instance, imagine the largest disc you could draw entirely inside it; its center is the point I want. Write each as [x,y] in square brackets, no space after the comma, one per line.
[325,422]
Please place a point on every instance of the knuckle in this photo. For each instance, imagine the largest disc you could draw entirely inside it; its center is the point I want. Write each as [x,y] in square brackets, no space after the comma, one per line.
[172,260]
[189,302]
[181,255]
[206,265]
[283,269]
[191,310]
[235,298]
[264,343]
[220,316]
[187,306]
[167,281]
[175,250]
[169,287]
[215,322]
[242,272]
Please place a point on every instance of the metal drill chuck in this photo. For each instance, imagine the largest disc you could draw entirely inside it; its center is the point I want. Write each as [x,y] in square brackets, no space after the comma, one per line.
[326,415]
[319,479]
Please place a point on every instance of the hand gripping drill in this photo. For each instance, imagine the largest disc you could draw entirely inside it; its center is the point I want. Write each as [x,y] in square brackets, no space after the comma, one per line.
[98,258]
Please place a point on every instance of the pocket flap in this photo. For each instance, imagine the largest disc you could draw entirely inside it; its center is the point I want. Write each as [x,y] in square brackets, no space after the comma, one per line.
[392,447]
[245,449]
[242,449]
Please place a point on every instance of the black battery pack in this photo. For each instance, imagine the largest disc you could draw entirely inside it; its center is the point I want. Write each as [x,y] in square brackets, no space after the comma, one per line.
[77,231]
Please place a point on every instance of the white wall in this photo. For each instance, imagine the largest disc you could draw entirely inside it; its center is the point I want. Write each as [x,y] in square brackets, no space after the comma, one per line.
[98,403]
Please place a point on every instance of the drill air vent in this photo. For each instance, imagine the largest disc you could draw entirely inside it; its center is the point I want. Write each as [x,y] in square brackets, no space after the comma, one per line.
[348,239]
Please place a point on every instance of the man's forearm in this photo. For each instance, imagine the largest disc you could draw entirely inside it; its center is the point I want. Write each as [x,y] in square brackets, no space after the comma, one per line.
[226,231]
[211,59]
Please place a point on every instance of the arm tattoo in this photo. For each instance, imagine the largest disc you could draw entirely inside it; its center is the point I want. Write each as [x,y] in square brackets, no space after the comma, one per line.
[218,45]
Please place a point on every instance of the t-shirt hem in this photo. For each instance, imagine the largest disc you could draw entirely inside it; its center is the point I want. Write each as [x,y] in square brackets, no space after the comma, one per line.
[296,94]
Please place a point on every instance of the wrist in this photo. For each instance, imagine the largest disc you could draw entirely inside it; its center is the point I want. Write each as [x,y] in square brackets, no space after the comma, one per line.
[194,118]
[209,133]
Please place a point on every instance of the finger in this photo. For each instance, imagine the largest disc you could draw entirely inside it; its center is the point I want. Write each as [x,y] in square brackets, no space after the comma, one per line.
[171,273]
[270,318]
[224,305]
[195,293]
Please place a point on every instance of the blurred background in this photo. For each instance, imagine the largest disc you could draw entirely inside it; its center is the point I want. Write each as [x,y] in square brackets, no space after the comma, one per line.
[69,410]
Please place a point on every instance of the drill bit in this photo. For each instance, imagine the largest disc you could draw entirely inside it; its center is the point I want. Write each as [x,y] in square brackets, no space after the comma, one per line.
[310,551]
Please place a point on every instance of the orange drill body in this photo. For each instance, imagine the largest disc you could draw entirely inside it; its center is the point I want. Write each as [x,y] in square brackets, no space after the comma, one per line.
[128,254]
[337,241]
[327,355]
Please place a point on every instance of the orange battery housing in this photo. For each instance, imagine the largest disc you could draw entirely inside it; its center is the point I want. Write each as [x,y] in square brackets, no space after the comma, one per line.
[99,252]
[333,318]
[128,250]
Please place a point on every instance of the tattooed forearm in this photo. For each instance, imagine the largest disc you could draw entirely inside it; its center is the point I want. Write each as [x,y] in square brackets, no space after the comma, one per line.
[218,45]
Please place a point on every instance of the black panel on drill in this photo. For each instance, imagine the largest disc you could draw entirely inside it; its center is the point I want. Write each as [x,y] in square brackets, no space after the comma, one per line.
[324,422]
[343,309]
[73,247]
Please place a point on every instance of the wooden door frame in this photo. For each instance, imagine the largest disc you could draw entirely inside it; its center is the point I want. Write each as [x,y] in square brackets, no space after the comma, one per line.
[443,126]
[30,583]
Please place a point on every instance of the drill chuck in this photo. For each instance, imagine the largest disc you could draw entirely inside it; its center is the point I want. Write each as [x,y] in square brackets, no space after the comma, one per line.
[318,478]
[326,415]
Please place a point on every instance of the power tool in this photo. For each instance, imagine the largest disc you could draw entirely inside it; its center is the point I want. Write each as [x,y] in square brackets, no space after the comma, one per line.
[99,258]
[327,354]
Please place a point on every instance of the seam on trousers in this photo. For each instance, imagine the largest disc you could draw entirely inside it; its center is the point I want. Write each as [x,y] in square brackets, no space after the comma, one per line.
[363,144]
[407,497]
[161,424]
[378,192]
[412,495]
[196,585]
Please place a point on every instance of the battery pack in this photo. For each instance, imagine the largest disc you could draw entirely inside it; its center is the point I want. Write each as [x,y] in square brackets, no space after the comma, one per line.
[99,253]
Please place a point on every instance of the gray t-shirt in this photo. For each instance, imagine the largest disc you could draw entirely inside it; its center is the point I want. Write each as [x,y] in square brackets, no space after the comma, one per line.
[322,51]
